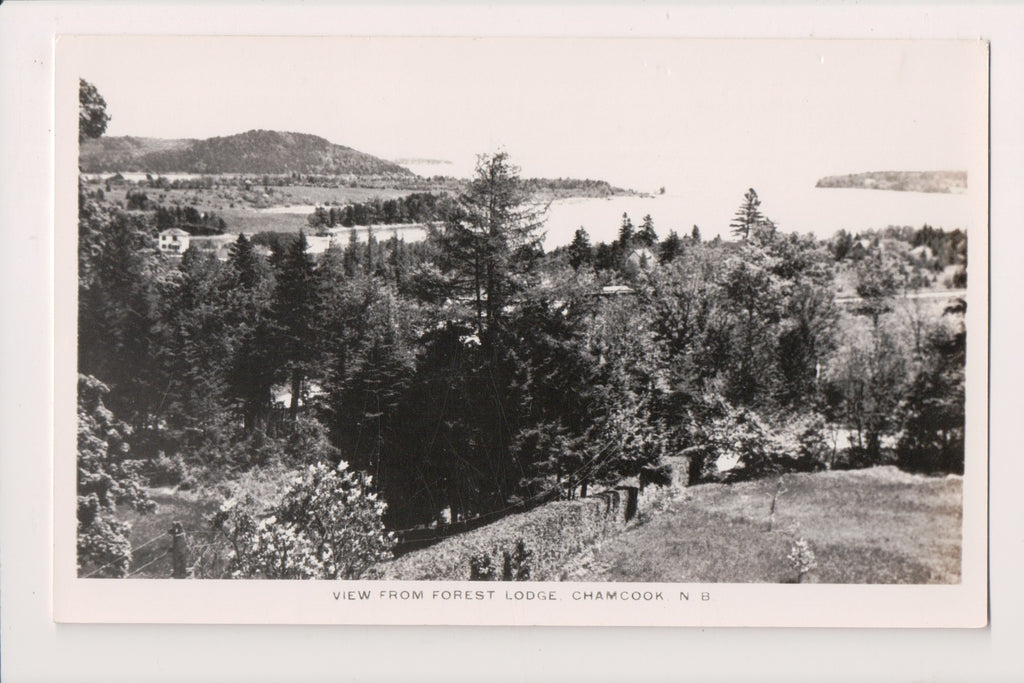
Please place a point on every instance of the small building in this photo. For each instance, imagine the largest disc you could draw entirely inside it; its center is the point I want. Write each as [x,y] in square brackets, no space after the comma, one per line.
[641,260]
[616,290]
[174,241]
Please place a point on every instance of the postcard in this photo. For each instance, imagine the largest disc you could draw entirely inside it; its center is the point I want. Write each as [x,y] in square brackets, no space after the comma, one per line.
[521,331]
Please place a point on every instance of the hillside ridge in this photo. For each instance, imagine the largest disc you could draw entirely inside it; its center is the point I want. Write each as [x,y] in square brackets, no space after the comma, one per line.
[252,152]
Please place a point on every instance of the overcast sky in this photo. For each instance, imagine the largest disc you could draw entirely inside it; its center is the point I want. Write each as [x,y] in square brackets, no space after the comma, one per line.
[639,113]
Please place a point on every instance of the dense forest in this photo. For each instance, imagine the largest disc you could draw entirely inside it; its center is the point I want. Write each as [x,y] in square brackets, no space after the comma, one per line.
[473,374]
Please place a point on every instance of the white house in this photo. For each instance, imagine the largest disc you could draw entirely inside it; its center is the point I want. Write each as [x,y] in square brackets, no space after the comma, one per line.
[174,241]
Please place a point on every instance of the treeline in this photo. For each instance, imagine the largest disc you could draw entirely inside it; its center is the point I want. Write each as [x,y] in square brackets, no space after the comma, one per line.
[473,373]
[189,219]
[642,244]
[419,207]
[944,247]
[901,181]
[573,187]
[186,218]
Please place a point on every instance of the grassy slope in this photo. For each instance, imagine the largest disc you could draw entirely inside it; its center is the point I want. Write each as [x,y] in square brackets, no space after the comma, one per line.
[868,526]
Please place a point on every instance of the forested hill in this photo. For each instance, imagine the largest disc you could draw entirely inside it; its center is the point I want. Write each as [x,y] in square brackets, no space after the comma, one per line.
[900,181]
[253,152]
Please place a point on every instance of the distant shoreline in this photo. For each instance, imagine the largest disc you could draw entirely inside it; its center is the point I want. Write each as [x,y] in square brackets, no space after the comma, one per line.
[945,182]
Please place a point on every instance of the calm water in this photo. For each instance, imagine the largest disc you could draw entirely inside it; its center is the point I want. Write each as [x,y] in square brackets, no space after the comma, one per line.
[820,211]
[795,206]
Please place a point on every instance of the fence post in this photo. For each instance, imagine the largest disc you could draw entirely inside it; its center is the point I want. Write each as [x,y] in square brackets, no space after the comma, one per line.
[632,502]
[179,550]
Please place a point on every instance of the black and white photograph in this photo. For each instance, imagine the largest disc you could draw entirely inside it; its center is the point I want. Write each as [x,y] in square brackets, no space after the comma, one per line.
[577,326]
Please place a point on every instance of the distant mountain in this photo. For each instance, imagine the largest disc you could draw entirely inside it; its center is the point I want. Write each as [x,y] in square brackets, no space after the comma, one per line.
[900,181]
[254,152]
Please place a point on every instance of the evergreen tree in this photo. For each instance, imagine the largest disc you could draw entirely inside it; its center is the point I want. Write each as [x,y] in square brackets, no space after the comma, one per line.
[646,236]
[243,260]
[253,363]
[671,246]
[695,234]
[580,252]
[491,237]
[295,310]
[606,256]
[626,231]
[748,216]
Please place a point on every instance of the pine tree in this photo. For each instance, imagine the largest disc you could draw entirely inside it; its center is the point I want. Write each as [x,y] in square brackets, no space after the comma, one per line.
[626,234]
[748,216]
[491,237]
[695,234]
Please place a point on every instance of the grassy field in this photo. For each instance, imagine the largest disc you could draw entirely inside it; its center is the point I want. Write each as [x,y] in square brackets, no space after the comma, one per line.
[866,526]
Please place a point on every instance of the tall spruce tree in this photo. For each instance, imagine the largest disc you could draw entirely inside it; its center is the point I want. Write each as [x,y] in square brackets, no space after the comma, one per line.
[253,366]
[748,216]
[295,312]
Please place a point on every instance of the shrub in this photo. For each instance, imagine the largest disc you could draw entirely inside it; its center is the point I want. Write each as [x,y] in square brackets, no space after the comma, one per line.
[751,445]
[107,478]
[328,526]
[167,470]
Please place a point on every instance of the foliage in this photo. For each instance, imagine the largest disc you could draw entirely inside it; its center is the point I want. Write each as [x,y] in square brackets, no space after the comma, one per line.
[748,216]
[418,207]
[580,251]
[107,478]
[328,526]
[646,236]
[932,435]
[472,374]
[92,111]
[670,247]
[490,238]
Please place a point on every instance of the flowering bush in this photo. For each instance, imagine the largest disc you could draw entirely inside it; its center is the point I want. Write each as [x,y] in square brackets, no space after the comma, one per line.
[329,525]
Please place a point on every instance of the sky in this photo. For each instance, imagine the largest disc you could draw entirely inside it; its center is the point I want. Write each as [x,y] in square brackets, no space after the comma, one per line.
[640,113]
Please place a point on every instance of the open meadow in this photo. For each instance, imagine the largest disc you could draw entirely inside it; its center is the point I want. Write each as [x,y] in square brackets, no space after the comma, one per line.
[877,525]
